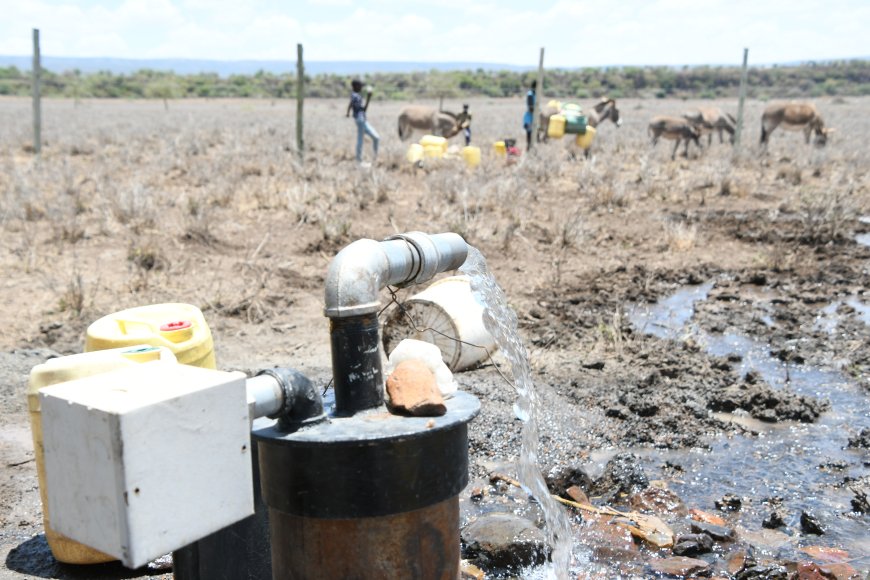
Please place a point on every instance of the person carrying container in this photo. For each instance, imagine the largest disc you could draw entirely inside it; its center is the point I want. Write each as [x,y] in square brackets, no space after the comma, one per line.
[358,108]
[529,116]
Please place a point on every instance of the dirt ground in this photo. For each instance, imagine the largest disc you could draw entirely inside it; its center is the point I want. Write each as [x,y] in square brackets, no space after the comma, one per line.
[207,203]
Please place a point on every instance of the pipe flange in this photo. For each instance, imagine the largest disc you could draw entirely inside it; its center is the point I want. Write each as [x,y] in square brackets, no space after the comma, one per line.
[423,269]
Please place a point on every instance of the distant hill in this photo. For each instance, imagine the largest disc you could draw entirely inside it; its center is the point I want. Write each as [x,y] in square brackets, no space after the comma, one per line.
[226,68]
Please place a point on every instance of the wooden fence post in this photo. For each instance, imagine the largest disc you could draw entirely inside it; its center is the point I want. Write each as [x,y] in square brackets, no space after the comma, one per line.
[739,129]
[538,92]
[300,100]
[37,104]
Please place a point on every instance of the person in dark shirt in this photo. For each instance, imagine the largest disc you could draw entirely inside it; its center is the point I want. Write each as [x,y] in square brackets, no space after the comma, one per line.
[528,117]
[358,108]
[465,123]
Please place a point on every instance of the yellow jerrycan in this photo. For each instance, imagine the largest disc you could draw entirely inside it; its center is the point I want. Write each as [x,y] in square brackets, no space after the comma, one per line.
[584,140]
[471,156]
[556,126]
[499,148]
[60,370]
[179,327]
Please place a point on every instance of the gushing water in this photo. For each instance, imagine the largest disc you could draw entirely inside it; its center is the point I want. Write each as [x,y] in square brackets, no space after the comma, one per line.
[501,322]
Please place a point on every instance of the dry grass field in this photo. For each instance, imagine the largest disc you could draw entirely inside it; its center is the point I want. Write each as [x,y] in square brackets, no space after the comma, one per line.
[207,203]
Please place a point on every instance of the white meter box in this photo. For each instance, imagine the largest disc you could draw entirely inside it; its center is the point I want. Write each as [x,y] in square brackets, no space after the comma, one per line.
[147,459]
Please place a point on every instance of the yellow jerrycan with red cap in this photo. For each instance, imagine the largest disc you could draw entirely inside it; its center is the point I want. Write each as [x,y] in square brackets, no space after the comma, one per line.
[179,327]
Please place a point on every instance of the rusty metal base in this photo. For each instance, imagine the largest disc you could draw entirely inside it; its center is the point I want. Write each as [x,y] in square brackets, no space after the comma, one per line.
[421,544]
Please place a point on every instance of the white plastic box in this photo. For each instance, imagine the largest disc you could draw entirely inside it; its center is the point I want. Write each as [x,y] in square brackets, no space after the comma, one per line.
[144,460]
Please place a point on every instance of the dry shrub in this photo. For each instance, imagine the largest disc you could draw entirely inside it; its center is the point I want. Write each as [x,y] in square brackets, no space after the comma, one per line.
[825,215]
[680,237]
[146,257]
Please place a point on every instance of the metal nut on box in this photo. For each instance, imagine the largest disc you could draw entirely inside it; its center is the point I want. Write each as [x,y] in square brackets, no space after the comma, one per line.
[144,460]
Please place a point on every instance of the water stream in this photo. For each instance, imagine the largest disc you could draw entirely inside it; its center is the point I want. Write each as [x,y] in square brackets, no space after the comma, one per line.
[501,322]
[804,465]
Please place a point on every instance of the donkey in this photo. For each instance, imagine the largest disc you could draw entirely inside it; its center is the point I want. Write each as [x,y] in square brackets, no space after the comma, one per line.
[603,110]
[676,129]
[794,117]
[709,119]
[433,122]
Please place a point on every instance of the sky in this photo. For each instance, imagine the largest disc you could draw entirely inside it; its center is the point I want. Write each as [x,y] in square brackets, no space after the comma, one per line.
[574,33]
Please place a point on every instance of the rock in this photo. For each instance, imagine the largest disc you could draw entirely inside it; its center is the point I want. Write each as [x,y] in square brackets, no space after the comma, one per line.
[728,503]
[773,520]
[412,389]
[768,572]
[764,538]
[860,441]
[679,566]
[738,561]
[809,571]
[504,542]
[702,516]
[840,571]
[577,494]
[560,479]
[658,501]
[718,533]
[692,544]
[622,475]
[860,503]
[468,571]
[810,524]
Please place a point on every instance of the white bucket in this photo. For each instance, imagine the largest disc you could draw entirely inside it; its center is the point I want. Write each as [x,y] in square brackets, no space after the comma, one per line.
[444,314]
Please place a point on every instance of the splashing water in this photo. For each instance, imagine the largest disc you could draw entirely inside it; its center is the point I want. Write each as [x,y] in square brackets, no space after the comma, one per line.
[501,322]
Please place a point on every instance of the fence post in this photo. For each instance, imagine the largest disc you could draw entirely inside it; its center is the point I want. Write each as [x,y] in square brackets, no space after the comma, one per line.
[37,104]
[300,99]
[739,129]
[538,92]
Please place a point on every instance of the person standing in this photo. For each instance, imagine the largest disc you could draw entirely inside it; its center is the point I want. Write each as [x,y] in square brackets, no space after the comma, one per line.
[465,124]
[358,108]
[529,116]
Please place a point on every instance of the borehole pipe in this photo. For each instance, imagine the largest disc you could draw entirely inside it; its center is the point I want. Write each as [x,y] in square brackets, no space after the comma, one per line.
[366,493]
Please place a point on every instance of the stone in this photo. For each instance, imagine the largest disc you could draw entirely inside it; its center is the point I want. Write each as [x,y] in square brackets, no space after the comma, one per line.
[718,533]
[738,561]
[468,571]
[764,538]
[658,501]
[773,520]
[692,544]
[860,503]
[763,572]
[861,441]
[412,390]
[702,516]
[679,566]
[810,524]
[560,479]
[623,474]
[577,494]
[729,503]
[809,571]
[504,542]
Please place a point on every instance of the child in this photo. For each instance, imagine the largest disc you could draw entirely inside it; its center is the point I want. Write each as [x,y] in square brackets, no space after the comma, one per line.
[359,116]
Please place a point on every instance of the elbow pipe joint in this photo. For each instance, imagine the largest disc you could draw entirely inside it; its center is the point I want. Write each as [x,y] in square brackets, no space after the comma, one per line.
[302,404]
[358,272]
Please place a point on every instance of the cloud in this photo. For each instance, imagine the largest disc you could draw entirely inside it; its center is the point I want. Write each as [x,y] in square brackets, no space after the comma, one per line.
[574,33]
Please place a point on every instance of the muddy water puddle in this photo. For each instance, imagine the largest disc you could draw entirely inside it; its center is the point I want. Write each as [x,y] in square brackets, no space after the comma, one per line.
[795,466]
